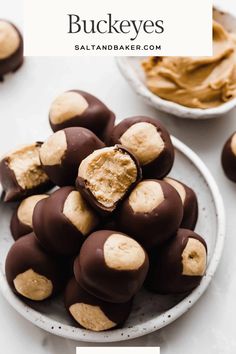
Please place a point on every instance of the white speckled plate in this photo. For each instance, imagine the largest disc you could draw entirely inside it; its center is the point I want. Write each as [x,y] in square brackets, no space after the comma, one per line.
[132,71]
[150,311]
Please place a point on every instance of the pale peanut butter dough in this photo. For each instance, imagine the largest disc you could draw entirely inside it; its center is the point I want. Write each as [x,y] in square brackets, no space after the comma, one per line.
[196,82]
[144,141]
[146,197]
[53,150]
[25,164]
[123,253]
[108,172]
[33,286]
[233,144]
[9,40]
[91,317]
[67,106]
[79,213]
[26,208]
[194,258]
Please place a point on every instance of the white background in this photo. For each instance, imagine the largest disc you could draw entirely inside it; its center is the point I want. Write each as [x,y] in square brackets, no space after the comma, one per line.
[209,327]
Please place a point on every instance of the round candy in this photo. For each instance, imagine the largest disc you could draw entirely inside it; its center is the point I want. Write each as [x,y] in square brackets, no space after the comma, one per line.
[21,174]
[62,221]
[228,158]
[90,312]
[151,214]
[189,201]
[31,272]
[179,265]
[63,152]
[80,109]
[149,141]
[21,221]
[11,48]
[106,176]
[111,266]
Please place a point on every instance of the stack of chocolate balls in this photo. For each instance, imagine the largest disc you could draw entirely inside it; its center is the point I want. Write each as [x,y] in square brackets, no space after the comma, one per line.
[113,223]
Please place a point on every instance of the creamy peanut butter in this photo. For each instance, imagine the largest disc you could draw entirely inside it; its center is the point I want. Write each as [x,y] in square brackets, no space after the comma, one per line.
[197,82]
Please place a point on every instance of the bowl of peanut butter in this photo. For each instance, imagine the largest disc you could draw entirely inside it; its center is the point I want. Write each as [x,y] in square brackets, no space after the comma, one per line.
[190,87]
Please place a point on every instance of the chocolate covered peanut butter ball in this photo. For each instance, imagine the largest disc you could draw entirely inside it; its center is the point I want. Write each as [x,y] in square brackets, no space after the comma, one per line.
[228,158]
[111,266]
[91,313]
[77,108]
[21,174]
[149,141]
[11,48]
[106,176]
[32,273]
[62,221]
[62,153]
[189,201]
[179,265]
[151,214]
[22,218]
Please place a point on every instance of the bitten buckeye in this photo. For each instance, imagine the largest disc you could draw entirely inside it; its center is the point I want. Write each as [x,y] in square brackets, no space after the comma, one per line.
[111,266]
[31,272]
[62,153]
[149,141]
[106,176]
[151,214]
[228,158]
[11,48]
[22,175]
[62,221]
[91,313]
[77,108]
[179,265]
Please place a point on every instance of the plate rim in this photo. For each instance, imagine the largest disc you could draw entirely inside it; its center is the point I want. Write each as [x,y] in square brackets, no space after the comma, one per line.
[70,332]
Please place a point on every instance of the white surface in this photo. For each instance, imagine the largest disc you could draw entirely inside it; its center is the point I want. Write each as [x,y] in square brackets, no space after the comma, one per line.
[209,327]
[150,312]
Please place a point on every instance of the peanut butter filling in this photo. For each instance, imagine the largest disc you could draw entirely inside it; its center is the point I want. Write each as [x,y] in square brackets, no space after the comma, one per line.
[25,164]
[79,213]
[91,317]
[123,253]
[196,82]
[33,286]
[108,172]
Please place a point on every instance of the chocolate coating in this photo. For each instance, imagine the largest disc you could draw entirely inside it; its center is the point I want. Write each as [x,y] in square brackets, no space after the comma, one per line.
[97,117]
[161,165]
[116,313]
[190,206]
[26,254]
[96,277]
[166,266]
[116,176]
[12,190]
[155,226]
[80,142]
[53,228]
[228,159]
[13,62]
